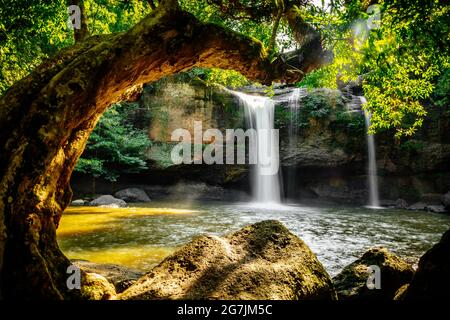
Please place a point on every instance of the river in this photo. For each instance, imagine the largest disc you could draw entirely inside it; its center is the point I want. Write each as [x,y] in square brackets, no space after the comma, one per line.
[142,236]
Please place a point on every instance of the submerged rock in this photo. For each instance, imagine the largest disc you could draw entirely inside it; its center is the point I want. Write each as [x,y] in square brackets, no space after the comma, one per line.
[96,287]
[108,201]
[78,202]
[417,206]
[446,201]
[436,209]
[121,277]
[432,278]
[132,195]
[351,283]
[260,261]
[401,204]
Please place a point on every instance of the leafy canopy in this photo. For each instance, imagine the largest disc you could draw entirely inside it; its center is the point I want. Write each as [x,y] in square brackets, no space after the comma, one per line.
[402,61]
[115,146]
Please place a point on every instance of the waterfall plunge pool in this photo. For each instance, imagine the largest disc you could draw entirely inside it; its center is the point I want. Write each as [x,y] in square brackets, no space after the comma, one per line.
[142,236]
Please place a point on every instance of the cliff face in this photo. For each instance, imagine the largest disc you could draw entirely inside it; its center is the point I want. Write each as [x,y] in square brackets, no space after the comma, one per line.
[323,149]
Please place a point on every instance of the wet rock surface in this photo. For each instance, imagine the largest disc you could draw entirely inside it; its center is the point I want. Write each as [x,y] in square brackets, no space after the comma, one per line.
[132,195]
[432,278]
[351,283]
[260,261]
[120,276]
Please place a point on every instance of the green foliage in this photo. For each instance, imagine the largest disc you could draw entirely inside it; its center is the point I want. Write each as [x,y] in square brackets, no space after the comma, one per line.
[115,146]
[406,57]
[32,30]
[350,123]
[314,106]
[321,78]
[227,78]
[282,117]
[441,94]
[401,60]
[108,16]
[208,12]
[160,154]
[404,62]
[412,146]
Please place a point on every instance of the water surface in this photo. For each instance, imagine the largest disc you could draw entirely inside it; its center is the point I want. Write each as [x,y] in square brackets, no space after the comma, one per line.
[141,237]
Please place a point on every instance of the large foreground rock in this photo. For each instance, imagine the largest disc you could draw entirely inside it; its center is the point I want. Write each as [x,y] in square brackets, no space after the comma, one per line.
[121,277]
[132,195]
[432,278]
[108,201]
[260,261]
[351,283]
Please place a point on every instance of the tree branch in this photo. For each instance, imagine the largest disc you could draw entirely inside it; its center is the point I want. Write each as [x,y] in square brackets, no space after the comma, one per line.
[273,36]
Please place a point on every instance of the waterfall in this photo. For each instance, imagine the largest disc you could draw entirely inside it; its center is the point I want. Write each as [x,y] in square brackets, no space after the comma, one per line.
[291,172]
[374,201]
[259,114]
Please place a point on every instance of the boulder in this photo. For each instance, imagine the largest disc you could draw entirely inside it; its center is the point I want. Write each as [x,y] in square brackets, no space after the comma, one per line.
[108,201]
[96,287]
[432,278]
[132,195]
[401,204]
[417,206]
[436,209]
[388,203]
[446,200]
[260,261]
[121,277]
[351,283]
[78,202]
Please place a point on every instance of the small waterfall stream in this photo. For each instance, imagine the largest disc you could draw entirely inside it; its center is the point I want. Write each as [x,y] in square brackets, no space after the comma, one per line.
[291,191]
[374,200]
[259,114]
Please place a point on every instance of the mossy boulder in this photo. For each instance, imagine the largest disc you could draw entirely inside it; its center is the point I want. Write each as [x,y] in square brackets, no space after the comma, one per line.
[432,278]
[351,283]
[260,261]
[96,287]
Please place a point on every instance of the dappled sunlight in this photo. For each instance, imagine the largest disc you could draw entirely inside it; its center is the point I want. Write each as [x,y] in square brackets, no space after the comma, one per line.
[139,257]
[82,220]
[96,234]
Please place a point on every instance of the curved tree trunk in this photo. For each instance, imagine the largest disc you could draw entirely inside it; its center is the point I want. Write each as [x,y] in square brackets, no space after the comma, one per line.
[47,117]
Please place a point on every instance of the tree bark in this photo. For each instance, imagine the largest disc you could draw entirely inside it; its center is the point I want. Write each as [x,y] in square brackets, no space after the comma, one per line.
[83,32]
[47,117]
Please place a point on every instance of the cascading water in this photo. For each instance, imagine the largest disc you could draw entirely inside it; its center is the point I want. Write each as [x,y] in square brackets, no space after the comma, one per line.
[259,114]
[293,106]
[374,201]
